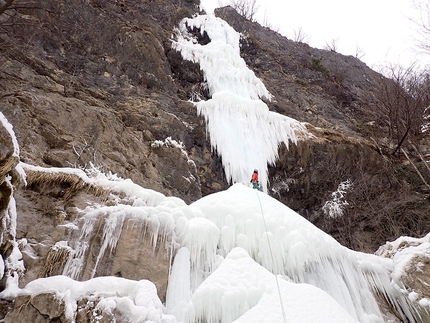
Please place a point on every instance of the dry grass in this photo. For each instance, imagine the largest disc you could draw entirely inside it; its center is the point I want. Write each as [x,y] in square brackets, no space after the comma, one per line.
[9,164]
[73,182]
[55,261]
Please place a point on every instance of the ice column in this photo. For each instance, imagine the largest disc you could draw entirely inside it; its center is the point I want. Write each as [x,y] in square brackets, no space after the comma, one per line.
[242,129]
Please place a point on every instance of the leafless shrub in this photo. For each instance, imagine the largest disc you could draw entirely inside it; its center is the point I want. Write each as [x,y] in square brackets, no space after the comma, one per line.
[359,52]
[300,36]
[221,3]
[404,98]
[335,207]
[246,8]
[332,45]
[269,24]
[423,24]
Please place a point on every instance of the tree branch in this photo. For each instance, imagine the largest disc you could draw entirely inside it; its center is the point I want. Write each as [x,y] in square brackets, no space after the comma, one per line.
[401,141]
[415,167]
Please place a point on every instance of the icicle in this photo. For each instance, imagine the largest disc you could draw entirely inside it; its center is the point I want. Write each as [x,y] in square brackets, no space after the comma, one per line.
[74,266]
[112,229]
[201,237]
[9,129]
[156,221]
[14,264]
[179,287]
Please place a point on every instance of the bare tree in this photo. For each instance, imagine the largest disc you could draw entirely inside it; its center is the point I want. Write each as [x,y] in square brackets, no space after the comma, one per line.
[332,45]
[246,8]
[269,24]
[404,98]
[300,36]
[359,52]
[423,31]
[221,3]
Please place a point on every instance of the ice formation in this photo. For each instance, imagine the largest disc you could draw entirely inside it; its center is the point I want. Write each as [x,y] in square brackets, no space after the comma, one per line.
[242,291]
[13,264]
[179,290]
[136,300]
[241,254]
[408,254]
[285,243]
[9,128]
[246,135]
[335,207]
[242,129]
[153,209]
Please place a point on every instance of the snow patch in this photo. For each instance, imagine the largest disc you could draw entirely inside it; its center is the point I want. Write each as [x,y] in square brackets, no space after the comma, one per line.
[9,129]
[335,207]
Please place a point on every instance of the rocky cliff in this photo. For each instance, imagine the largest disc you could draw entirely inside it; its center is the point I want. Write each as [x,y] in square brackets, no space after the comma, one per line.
[96,85]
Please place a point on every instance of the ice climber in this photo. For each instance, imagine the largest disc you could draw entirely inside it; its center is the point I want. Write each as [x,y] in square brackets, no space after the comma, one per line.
[254,180]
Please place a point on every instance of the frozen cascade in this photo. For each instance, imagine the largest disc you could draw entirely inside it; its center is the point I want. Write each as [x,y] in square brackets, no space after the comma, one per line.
[179,291]
[151,208]
[113,219]
[233,242]
[301,253]
[75,264]
[200,237]
[242,129]
[9,128]
[246,135]
[112,229]
[230,227]
[242,291]
[153,211]
[13,265]
[155,222]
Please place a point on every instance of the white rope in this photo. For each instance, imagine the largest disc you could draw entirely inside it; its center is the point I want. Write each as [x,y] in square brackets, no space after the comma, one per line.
[271,256]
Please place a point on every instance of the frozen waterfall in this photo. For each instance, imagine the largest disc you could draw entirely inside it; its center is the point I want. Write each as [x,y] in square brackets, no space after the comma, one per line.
[242,129]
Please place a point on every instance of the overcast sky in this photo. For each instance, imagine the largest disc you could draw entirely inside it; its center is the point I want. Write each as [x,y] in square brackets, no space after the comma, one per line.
[381,28]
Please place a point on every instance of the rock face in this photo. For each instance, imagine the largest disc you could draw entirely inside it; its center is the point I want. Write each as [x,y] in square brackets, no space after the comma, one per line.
[412,270]
[78,223]
[40,308]
[104,94]
[96,85]
[309,176]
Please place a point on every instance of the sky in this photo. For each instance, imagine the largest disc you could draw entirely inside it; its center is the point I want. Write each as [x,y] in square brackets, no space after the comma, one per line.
[381,28]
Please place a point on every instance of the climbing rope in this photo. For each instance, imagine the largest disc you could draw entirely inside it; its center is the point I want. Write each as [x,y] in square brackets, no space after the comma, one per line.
[273,262]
